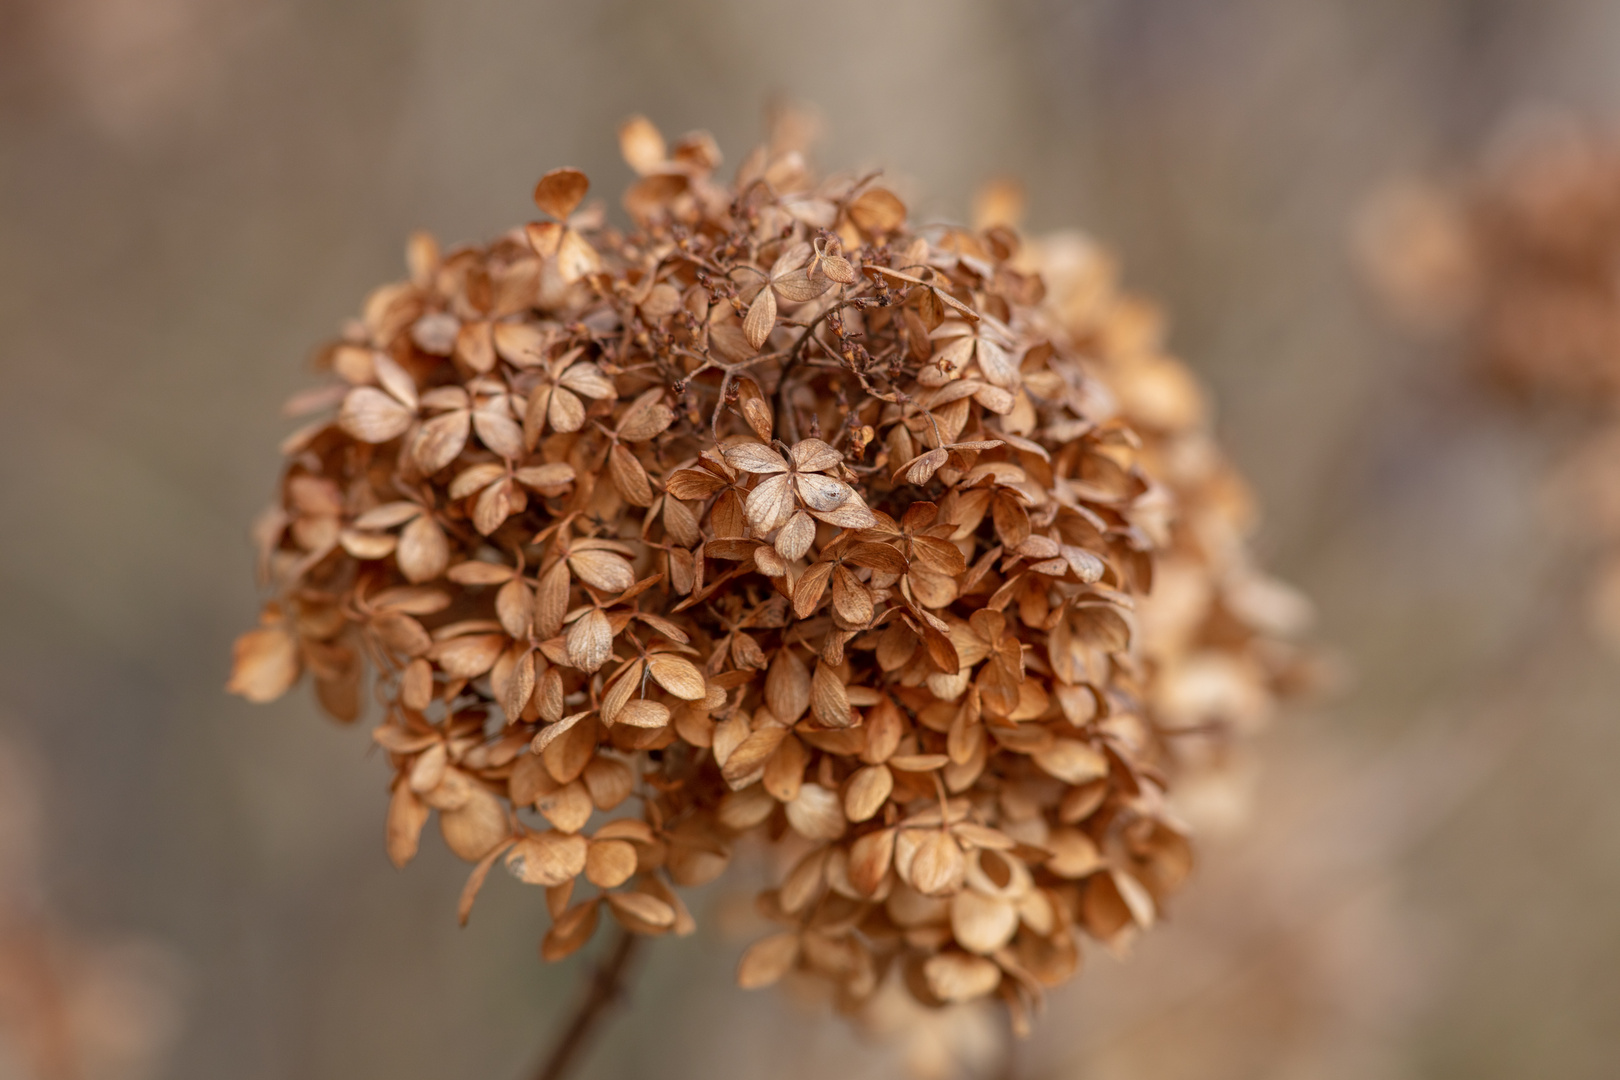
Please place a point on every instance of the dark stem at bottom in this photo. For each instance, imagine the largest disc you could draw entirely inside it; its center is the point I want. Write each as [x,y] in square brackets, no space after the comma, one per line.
[606,989]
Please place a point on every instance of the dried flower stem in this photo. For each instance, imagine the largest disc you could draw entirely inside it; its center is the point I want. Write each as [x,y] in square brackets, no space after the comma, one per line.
[607,988]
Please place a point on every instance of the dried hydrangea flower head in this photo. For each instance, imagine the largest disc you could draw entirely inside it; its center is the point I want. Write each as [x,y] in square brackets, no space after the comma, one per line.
[776,514]
[1518,262]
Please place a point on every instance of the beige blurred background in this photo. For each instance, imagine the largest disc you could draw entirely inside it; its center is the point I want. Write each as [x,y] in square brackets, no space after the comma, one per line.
[193,193]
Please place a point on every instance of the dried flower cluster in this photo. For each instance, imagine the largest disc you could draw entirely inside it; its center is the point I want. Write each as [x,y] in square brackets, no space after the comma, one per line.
[777,515]
[1522,262]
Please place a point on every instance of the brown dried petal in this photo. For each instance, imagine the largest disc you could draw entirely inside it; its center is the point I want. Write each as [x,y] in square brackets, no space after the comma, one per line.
[761,318]
[471,830]
[693,484]
[548,858]
[372,416]
[751,401]
[850,599]
[1072,761]
[468,657]
[643,714]
[589,380]
[605,570]
[441,440]
[795,537]
[642,145]
[747,762]
[811,588]
[569,807]
[828,701]
[958,977]
[590,641]
[609,781]
[769,504]
[680,523]
[821,492]
[424,551]
[565,413]
[678,675]
[767,960]
[800,286]
[787,687]
[264,664]
[982,924]
[560,191]
[406,816]
[632,908]
[571,930]
[646,417]
[755,458]
[869,860]
[937,866]
[816,814]
[868,790]
[877,211]
[629,477]
[499,431]
[610,863]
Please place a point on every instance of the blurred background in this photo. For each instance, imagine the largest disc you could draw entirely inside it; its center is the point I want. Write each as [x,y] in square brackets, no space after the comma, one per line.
[194,193]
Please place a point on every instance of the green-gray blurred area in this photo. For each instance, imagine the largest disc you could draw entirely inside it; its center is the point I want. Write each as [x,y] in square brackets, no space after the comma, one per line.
[194,193]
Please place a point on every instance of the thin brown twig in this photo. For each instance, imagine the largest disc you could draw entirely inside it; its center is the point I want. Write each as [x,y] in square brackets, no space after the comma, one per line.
[606,989]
